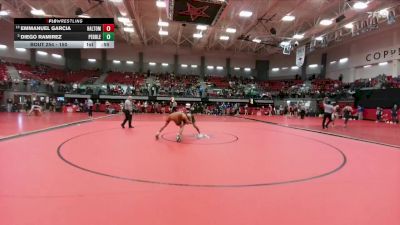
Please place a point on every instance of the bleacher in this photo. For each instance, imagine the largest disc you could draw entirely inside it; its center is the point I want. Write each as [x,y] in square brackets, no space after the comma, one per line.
[189,85]
[55,74]
[3,72]
[127,78]
[26,71]
[326,85]
[278,85]
[218,82]
[46,73]
[80,76]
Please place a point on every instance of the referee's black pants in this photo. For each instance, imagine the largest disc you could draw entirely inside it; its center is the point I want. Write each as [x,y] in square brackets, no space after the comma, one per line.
[90,111]
[329,116]
[128,118]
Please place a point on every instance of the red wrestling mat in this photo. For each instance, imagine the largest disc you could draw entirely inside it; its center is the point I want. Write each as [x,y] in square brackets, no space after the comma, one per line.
[366,130]
[18,123]
[244,172]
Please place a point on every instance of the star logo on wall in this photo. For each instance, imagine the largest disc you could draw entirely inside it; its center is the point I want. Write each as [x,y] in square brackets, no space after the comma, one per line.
[194,12]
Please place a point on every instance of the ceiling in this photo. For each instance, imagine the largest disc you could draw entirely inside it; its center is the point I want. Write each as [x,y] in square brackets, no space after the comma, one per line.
[267,15]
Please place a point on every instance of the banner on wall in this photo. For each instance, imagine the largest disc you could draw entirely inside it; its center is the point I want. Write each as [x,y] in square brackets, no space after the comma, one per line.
[300,55]
[382,55]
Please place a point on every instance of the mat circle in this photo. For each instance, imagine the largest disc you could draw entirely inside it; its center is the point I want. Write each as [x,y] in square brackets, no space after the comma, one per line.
[260,184]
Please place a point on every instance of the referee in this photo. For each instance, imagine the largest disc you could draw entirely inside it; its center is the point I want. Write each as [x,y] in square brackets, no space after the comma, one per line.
[90,107]
[328,110]
[128,108]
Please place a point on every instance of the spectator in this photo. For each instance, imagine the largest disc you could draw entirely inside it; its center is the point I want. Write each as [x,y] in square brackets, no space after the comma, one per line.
[360,112]
[173,105]
[90,107]
[394,114]
[379,114]
[9,104]
[97,105]
[28,104]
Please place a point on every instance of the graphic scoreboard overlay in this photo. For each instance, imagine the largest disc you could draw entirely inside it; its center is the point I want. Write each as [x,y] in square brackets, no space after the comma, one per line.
[64,32]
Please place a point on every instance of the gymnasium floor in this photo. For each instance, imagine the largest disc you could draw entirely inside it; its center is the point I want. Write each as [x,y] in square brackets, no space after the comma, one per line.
[381,133]
[244,172]
[20,123]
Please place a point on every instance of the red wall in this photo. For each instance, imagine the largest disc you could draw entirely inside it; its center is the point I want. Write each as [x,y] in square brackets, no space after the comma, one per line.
[370,114]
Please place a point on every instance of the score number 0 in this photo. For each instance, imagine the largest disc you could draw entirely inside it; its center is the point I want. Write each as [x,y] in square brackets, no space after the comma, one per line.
[108,27]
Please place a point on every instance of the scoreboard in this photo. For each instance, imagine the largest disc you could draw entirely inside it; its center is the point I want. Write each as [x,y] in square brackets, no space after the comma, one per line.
[64,32]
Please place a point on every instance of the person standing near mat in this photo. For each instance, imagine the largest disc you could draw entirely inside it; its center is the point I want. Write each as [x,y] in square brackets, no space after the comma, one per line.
[394,114]
[360,112]
[173,105]
[128,109]
[379,114]
[181,119]
[90,107]
[28,105]
[328,110]
[302,110]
